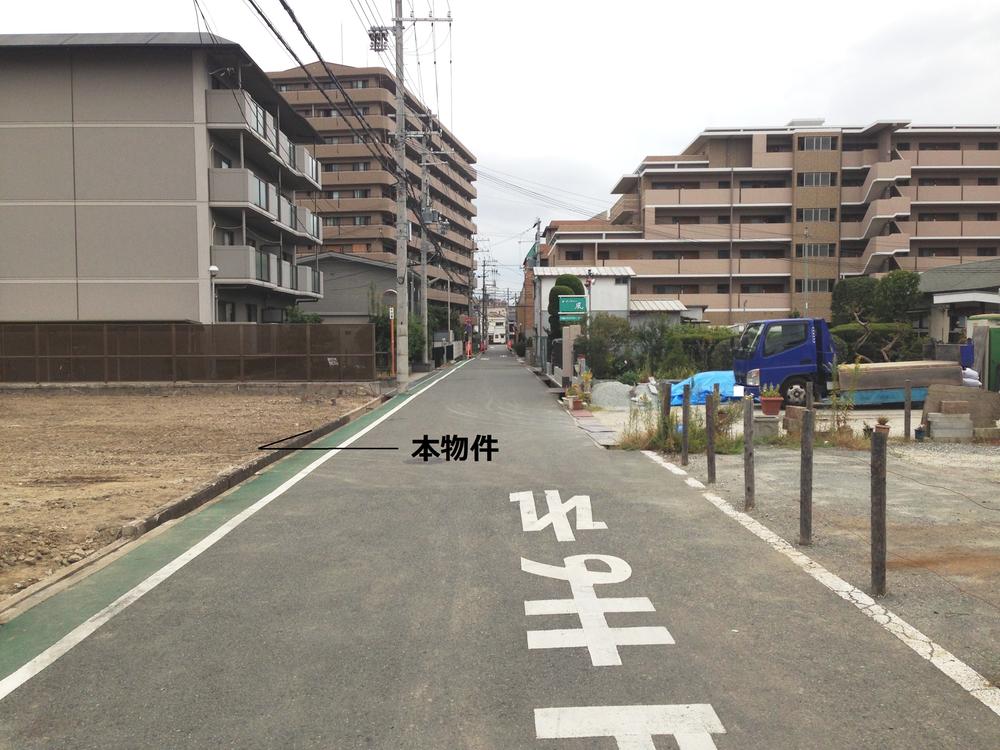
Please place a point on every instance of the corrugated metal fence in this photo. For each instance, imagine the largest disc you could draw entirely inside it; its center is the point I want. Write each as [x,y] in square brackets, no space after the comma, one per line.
[170,352]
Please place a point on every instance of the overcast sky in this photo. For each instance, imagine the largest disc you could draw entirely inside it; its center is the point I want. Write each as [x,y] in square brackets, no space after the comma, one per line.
[572,93]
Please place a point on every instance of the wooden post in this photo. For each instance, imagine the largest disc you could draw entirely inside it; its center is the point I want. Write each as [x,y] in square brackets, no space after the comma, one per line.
[748,489]
[878,513]
[711,405]
[907,406]
[665,394]
[686,422]
[806,479]
[809,396]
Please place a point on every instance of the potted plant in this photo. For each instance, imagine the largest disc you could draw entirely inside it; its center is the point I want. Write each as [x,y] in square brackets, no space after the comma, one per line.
[770,400]
[573,397]
[867,430]
[882,425]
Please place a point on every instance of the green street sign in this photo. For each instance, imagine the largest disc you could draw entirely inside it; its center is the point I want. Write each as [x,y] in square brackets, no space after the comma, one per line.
[572,307]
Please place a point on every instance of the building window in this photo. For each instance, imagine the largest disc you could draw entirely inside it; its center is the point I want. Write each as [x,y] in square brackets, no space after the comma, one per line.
[937,181]
[722,219]
[764,219]
[363,84]
[724,184]
[574,255]
[987,181]
[815,214]
[860,146]
[685,220]
[361,221]
[251,311]
[722,288]
[986,252]
[817,143]
[989,146]
[853,181]
[621,280]
[331,221]
[903,146]
[815,250]
[817,179]
[938,216]
[329,166]
[332,140]
[724,254]
[360,166]
[763,184]
[675,288]
[674,185]
[603,254]
[227,237]
[761,253]
[221,162]
[226,312]
[761,289]
[331,194]
[938,252]
[813,285]
[986,216]
[258,191]
[939,146]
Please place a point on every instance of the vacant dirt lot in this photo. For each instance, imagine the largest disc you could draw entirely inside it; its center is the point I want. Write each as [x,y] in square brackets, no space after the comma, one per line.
[77,464]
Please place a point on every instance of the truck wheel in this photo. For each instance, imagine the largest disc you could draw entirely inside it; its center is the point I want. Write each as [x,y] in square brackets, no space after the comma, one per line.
[794,391]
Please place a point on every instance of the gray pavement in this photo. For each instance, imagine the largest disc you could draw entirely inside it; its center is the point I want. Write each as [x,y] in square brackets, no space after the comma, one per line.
[380,603]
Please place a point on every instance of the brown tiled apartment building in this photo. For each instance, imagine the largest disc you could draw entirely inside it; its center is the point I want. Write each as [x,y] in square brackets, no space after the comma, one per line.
[357,202]
[762,222]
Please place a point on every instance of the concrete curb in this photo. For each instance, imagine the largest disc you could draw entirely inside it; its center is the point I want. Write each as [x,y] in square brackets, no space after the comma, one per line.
[19,602]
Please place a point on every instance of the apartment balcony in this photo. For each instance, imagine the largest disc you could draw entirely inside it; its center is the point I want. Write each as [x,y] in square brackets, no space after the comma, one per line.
[719,232]
[964,158]
[369,95]
[241,188]
[879,213]
[776,160]
[247,266]
[849,159]
[441,295]
[880,175]
[625,209]
[931,229]
[333,180]
[359,233]
[335,125]
[952,193]
[774,302]
[708,267]
[720,196]
[235,111]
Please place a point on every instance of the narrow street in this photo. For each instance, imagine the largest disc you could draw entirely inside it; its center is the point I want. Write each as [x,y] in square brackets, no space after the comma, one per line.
[384,601]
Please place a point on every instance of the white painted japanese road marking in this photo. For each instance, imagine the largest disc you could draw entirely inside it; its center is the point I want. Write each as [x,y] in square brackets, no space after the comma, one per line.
[17,678]
[557,517]
[961,673]
[594,633]
[633,727]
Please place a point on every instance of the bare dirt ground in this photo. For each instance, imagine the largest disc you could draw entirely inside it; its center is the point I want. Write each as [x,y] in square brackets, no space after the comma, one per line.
[75,465]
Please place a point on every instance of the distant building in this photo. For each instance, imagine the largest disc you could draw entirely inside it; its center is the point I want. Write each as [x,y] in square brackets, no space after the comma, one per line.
[357,199]
[763,222]
[354,287]
[130,164]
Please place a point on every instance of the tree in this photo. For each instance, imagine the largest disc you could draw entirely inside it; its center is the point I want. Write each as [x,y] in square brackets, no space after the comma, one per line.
[853,296]
[571,281]
[294,314]
[896,295]
[606,343]
[555,327]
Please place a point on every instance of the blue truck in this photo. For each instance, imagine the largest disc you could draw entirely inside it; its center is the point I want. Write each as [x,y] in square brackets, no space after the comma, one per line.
[796,354]
[793,354]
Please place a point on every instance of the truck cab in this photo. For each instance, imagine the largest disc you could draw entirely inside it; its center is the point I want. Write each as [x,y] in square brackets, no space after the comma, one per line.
[793,354]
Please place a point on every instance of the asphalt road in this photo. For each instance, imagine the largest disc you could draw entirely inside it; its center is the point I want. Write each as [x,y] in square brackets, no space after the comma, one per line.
[380,603]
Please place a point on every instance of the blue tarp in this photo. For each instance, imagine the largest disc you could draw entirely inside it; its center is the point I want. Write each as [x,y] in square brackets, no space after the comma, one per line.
[702,384]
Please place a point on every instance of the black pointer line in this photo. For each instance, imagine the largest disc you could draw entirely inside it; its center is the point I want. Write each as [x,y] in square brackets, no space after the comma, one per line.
[267,446]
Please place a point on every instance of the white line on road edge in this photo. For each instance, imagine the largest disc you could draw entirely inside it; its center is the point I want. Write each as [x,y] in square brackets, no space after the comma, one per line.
[965,676]
[14,680]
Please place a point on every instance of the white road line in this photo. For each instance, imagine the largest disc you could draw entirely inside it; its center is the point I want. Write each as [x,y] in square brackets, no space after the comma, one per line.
[961,673]
[14,680]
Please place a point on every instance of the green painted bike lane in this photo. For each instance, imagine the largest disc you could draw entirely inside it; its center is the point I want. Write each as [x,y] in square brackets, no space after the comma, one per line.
[32,632]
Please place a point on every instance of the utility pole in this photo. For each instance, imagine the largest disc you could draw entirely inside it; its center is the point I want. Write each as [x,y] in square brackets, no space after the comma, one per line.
[425,205]
[402,221]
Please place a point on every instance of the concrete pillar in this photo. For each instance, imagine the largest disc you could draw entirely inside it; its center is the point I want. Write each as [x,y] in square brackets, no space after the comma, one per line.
[569,336]
[939,323]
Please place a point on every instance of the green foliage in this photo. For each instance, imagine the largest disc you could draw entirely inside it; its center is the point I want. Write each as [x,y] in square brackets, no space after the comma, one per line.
[571,282]
[415,331]
[851,342]
[555,326]
[616,350]
[854,295]
[295,315]
[896,295]
[646,431]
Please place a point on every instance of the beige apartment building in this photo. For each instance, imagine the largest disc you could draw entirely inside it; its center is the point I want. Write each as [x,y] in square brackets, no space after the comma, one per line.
[357,202]
[762,222]
[149,177]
